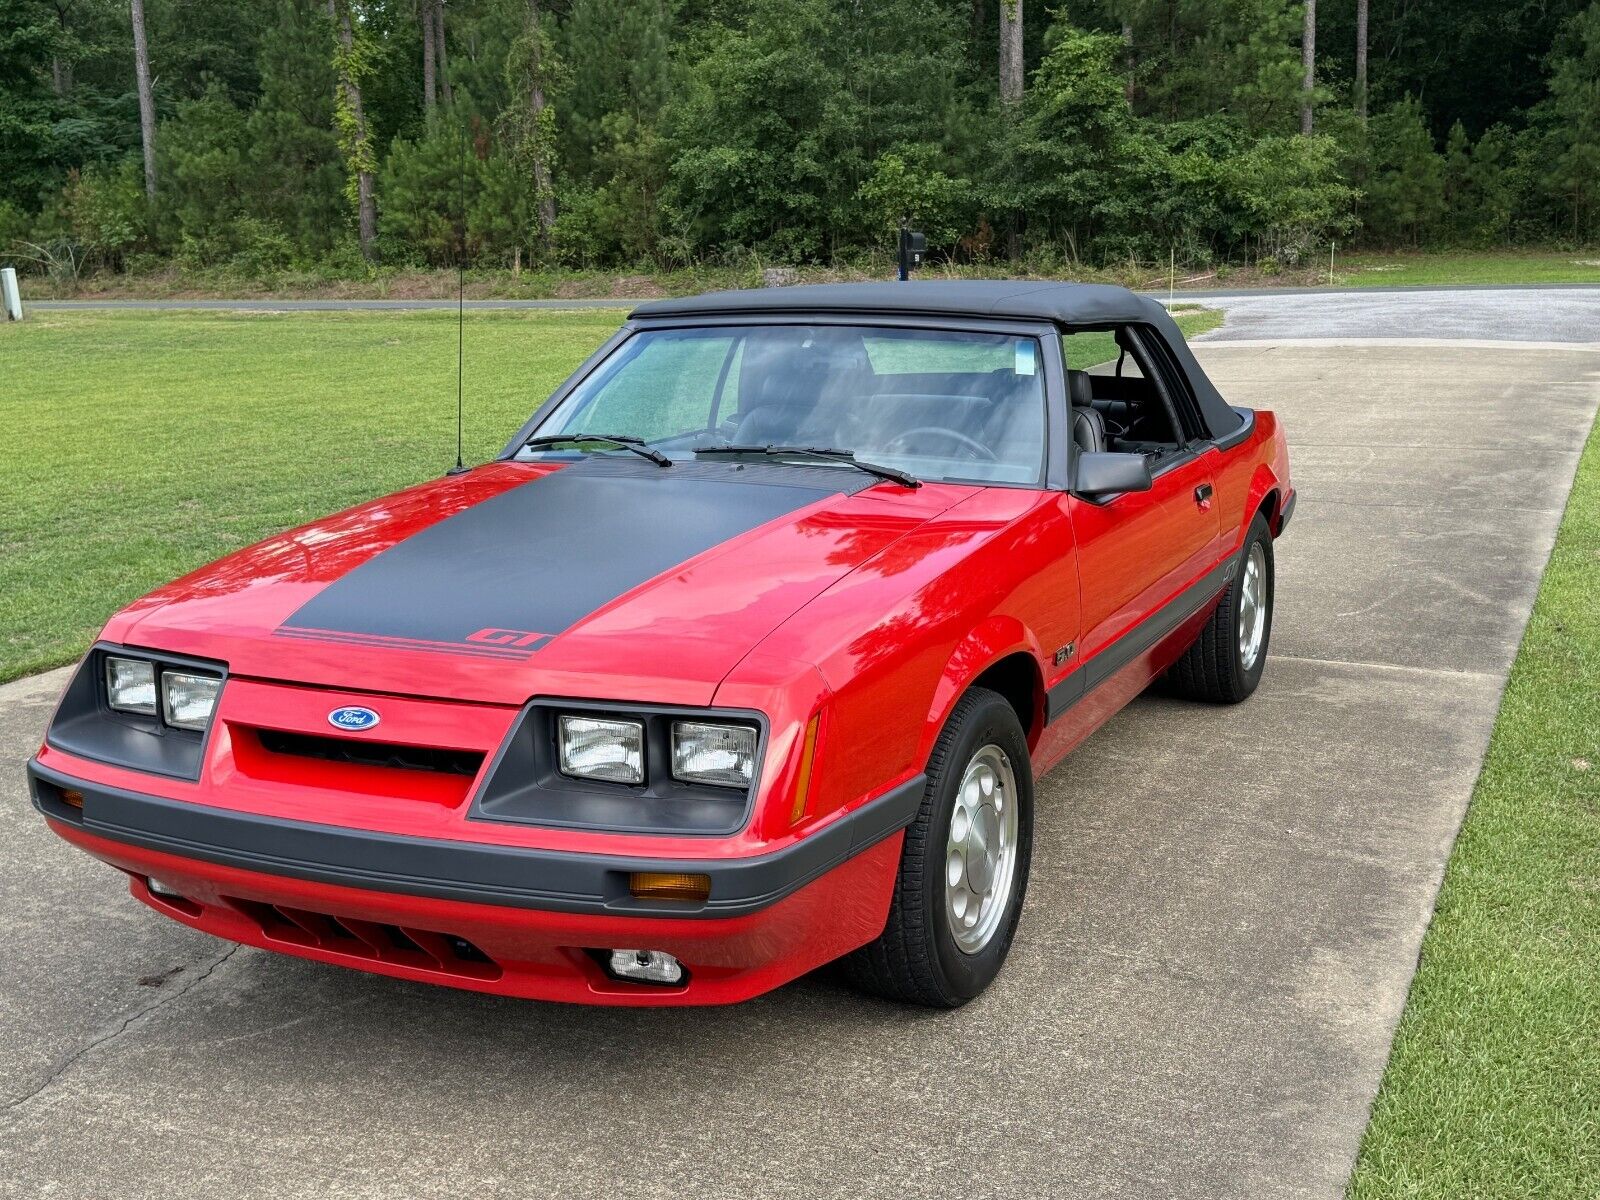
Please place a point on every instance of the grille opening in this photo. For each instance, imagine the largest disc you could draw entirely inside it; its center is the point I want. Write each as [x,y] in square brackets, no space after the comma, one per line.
[401,941]
[372,754]
[419,949]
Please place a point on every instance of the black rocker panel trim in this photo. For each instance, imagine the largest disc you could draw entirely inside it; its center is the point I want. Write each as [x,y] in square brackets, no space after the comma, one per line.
[468,871]
[533,561]
[1137,640]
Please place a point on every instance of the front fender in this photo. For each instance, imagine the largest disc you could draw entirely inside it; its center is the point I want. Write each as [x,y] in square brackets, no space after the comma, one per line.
[996,638]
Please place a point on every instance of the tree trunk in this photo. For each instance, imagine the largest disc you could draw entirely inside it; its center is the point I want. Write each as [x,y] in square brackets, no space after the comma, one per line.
[147,104]
[1010,51]
[61,68]
[1128,61]
[438,50]
[544,188]
[429,87]
[360,150]
[1308,60]
[1361,59]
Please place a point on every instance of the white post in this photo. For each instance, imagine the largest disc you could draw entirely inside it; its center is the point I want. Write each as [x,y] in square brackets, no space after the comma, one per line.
[9,293]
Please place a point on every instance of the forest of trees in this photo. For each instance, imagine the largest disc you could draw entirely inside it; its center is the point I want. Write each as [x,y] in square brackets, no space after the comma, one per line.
[259,134]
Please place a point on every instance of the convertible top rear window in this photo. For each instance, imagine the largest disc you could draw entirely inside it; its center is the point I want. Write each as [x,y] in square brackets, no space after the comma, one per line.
[939,404]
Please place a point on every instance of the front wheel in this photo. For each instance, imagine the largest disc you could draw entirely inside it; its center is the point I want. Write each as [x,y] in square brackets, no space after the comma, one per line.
[1224,663]
[963,867]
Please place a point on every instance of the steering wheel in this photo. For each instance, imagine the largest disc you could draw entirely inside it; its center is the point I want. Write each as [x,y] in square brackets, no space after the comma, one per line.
[978,449]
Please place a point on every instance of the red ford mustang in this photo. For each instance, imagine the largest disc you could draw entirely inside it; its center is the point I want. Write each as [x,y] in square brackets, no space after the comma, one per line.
[743,656]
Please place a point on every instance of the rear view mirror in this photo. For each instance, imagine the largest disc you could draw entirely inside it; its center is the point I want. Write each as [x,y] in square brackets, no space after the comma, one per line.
[1107,474]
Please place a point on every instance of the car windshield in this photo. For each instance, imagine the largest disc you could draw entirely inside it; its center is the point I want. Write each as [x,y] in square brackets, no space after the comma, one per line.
[936,404]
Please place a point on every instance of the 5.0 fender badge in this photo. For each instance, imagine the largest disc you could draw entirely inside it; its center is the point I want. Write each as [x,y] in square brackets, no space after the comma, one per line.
[353,717]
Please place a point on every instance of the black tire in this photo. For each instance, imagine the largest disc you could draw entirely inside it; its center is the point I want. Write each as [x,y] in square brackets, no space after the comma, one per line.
[1212,668]
[916,959]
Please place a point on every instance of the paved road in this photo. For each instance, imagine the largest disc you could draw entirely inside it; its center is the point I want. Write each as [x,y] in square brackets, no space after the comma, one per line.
[1545,315]
[1224,916]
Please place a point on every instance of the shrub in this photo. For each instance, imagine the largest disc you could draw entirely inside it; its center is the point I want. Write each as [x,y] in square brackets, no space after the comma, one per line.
[106,212]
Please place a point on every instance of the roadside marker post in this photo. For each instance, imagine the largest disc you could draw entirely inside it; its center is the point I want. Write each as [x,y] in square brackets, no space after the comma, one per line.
[10,293]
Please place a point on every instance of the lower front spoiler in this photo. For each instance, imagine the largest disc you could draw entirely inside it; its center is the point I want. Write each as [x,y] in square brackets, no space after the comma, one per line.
[504,948]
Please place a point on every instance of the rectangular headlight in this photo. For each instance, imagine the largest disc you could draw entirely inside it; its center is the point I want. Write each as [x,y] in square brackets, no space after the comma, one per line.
[187,700]
[723,755]
[596,748]
[131,685]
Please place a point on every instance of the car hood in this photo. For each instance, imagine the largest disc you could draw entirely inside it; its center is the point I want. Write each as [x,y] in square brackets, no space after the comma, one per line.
[606,578]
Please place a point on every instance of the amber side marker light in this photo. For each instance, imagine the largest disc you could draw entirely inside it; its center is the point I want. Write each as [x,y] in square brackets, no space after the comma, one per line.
[72,797]
[802,778]
[668,885]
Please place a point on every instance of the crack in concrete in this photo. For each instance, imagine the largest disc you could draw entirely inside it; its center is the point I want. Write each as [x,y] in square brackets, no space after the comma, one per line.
[1402,667]
[67,1062]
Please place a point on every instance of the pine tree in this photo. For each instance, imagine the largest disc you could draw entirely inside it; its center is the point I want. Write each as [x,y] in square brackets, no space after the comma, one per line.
[1572,117]
[292,150]
[29,39]
[618,60]
[1405,194]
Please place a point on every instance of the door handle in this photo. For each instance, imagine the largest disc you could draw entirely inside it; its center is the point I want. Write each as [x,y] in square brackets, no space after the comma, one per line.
[1202,495]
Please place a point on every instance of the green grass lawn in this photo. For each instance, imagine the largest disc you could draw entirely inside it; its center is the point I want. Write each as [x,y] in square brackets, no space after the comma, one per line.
[147,444]
[1493,1085]
[1487,266]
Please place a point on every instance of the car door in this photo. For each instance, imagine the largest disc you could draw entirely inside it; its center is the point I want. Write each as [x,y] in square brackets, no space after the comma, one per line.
[1139,552]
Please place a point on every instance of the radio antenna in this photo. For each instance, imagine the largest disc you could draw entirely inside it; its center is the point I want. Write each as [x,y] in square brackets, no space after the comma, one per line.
[461,299]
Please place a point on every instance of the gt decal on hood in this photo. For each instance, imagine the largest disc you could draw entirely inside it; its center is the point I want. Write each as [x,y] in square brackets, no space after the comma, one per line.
[502,578]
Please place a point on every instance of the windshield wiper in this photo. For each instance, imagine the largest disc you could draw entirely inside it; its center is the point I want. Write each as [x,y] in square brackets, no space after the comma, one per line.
[621,441]
[848,457]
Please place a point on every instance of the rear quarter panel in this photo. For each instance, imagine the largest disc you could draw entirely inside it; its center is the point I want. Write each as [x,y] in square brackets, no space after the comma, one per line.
[1247,475]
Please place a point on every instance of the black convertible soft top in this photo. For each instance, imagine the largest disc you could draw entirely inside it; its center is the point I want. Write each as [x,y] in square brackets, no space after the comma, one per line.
[1081,305]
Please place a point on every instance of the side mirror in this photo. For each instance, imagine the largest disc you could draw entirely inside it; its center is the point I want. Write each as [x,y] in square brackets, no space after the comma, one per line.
[1111,474]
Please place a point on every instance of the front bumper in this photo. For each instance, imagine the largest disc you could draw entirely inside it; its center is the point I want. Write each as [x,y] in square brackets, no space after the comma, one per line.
[529,918]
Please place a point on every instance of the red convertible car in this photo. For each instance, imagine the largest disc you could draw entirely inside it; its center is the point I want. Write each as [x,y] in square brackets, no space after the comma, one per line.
[744,656]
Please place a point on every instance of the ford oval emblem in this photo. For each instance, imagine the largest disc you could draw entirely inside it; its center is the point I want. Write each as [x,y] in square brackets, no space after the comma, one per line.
[353,717]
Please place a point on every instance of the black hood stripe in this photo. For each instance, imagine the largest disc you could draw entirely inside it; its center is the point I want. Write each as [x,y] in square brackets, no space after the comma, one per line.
[502,578]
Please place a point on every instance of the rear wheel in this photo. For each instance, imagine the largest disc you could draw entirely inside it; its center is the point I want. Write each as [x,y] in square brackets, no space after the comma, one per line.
[1224,663]
[963,867]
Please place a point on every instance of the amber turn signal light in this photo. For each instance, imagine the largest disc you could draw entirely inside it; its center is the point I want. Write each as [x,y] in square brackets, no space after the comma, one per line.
[72,797]
[802,780]
[668,885]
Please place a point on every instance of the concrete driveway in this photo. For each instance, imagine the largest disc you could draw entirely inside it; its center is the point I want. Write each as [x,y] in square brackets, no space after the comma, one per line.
[1224,917]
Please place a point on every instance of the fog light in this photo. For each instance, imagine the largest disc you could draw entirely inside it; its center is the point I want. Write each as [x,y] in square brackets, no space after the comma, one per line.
[668,885]
[646,966]
[158,888]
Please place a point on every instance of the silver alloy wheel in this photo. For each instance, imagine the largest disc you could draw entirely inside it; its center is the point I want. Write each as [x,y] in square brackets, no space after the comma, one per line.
[1253,607]
[981,852]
